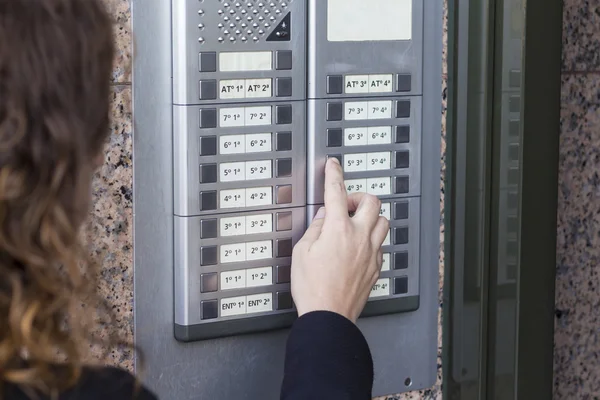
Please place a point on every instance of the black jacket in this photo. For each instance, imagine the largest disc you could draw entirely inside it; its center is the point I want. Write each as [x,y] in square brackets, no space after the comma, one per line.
[327,357]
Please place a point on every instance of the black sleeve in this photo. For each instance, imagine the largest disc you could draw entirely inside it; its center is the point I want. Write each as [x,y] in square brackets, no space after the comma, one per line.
[108,383]
[327,357]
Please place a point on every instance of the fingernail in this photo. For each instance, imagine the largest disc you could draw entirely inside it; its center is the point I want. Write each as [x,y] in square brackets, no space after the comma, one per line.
[320,214]
[335,160]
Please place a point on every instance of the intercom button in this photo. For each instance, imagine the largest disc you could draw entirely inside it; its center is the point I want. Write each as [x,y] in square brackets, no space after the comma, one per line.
[402,159]
[283,60]
[514,104]
[208,255]
[208,229]
[208,118]
[403,109]
[208,89]
[259,303]
[514,127]
[209,283]
[401,210]
[403,134]
[385,266]
[284,248]
[402,184]
[208,146]
[513,152]
[210,309]
[284,194]
[336,156]
[381,288]
[335,137]
[335,84]
[401,260]
[335,111]
[283,167]
[207,62]
[401,235]
[283,87]
[401,285]
[208,173]
[283,141]
[208,200]
[284,301]
[284,221]
[283,114]
[403,83]
[514,78]
[284,272]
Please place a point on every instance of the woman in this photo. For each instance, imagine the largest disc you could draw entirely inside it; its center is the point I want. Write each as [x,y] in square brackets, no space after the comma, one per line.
[55,64]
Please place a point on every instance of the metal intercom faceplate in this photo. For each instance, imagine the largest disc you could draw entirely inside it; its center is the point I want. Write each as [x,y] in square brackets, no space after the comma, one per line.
[264,92]
[237,105]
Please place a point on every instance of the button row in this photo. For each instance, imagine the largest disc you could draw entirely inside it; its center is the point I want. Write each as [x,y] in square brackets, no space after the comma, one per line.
[246,305]
[249,143]
[245,88]
[377,83]
[378,186]
[382,287]
[241,252]
[367,136]
[245,278]
[245,116]
[245,61]
[248,225]
[362,162]
[367,110]
[240,198]
[245,171]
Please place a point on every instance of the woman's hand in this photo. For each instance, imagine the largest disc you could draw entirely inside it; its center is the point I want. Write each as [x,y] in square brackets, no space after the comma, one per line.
[337,262]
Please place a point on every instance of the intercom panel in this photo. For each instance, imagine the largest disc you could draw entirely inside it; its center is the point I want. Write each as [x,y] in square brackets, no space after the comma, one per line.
[238,105]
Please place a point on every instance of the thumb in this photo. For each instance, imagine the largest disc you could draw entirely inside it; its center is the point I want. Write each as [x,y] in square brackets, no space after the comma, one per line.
[314,230]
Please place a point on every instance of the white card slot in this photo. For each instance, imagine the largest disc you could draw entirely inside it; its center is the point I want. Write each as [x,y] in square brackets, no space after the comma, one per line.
[257,88]
[259,170]
[258,143]
[245,61]
[261,196]
[386,262]
[259,303]
[233,280]
[257,277]
[232,172]
[379,186]
[356,186]
[232,144]
[381,83]
[231,253]
[259,224]
[233,306]
[232,117]
[233,226]
[385,211]
[355,136]
[259,250]
[355,162]
[380,109]
[378,161]
[356,83]
[232,198]
[381,288]
[232,89]
[255,116]
[356,110]
[379,135]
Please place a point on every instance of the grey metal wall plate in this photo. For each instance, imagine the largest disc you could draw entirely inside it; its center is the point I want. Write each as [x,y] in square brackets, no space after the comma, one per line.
[185,156]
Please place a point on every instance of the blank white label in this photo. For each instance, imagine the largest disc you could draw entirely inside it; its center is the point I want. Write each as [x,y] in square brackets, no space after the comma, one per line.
[356,186]
[381,288]
[385,211]
[234,226]
[259,224]
[379,135]
[356,110]
[258,170]
[233,280]
[245,61]
[229,117]
[386,262]
[256,88]
[355,162]
[259,277]
[380,20]
[233,198]
[258,116]
[380,109]
[357,83]
[380,83]
[232,144]
[355,136]
[231,172]
[231,253]
[259,303]
[261,196]
[378,161]
[258,143]
[259,250]
[233,306]
[232,89]
[379,186]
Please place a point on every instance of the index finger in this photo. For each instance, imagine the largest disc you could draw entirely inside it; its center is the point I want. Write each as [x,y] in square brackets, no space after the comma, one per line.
[336,198]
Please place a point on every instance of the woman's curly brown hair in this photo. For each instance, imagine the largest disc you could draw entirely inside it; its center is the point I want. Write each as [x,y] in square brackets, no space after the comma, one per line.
[55,64]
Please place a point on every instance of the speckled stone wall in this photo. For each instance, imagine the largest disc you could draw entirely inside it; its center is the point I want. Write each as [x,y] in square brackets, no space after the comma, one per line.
[577,323]
[111,235]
